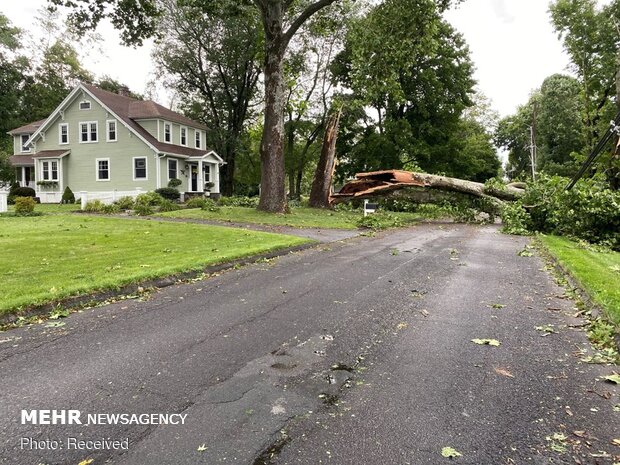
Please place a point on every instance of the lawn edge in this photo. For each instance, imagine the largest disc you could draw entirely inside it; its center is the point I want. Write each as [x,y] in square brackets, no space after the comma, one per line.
[99,296]
[597,310]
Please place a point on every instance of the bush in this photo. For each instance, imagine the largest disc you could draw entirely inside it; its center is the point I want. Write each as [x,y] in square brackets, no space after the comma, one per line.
[168,193]
[23,192]
[125,203]
[67,196]
[24,206]
[196,202]
[143,210]
[110,209]
[210,205]
[239,201]
[515,220]
[94,206]
[590,211]
[149,199]
[168,206]
[174,182]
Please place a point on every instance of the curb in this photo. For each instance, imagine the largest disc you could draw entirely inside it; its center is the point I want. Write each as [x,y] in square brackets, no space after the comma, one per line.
[97,297]
[596,310]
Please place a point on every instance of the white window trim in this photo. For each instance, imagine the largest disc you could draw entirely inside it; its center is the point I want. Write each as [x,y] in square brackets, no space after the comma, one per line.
[97,160]
[107,130]
[168,168]
[146,168]
[90,105]
[198,137]
[89,141]
[181,136]
[50,171]
[167,125]
[60,126]
[21,144]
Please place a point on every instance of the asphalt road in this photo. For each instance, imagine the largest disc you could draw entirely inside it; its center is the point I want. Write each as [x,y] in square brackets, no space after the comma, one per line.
[355,352]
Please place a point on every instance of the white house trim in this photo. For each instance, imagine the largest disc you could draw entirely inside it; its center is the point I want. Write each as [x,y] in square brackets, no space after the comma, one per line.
[181,129]
[60,126]
[146,168]
[89,132]
[97,160]
[107,130]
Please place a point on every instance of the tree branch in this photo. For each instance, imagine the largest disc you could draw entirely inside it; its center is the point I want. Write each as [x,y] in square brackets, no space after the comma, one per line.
[303,17]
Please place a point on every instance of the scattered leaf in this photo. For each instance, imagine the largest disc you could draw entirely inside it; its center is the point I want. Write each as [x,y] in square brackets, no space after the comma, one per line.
[503,372]
[450,453]
[616,442]
[525,253]
[400,326]
[546,329]
[202,448]
[55,324]
[615,378]
[86,462]
[496,306]
[486,342]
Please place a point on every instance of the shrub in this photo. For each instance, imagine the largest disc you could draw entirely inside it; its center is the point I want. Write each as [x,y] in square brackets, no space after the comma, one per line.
[67,196]
[210,205]
[515,220]
[24,205]
[23,192]
[110,209]
[168,206]
[125,203]
[149,199]
[195,202]
[169,193]
[174,182]
[143,210]
[94,206]
[239,201]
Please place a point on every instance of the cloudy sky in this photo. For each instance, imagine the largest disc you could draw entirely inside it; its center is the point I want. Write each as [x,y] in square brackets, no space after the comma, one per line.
[512,44]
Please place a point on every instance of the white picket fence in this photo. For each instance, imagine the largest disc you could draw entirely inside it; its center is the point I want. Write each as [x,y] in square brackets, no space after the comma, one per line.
[106,197]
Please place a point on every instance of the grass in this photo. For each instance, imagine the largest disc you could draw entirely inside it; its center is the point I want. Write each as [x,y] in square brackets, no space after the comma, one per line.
[301,217]
[52,208]
[49,257]
[598,272]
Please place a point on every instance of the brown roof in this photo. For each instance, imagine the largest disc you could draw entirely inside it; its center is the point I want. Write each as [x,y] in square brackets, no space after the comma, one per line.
[129,109]
[21,160]
[28,128]
[51,153]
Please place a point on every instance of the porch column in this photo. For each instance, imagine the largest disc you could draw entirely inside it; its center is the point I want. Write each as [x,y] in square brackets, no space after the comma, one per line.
[24,182]
[216,178]
[201,181]
[3,201]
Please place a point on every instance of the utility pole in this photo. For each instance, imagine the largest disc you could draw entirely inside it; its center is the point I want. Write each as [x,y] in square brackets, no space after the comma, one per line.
[532,147]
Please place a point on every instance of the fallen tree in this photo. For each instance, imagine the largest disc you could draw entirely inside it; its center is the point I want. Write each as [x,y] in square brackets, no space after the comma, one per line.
[424,188]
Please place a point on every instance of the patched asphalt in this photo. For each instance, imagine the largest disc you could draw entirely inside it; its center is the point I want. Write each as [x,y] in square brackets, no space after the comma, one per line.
[354,352]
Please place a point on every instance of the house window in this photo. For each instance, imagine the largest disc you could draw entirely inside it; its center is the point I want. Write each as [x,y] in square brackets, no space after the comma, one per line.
[172,169]
[103,169]
[139,168]
[63,133]
[85,105]
[198,139]
[24,139]
[111,131]
[49,170]
[167,132]
[183,135]
[206,168]
[88,132]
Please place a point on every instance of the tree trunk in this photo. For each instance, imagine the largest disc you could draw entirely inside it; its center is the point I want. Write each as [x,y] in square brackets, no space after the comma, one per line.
[614,168]
[273,173]
[322,183]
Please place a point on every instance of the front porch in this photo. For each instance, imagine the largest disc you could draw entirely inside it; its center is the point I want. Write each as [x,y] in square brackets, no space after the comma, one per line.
[203,175]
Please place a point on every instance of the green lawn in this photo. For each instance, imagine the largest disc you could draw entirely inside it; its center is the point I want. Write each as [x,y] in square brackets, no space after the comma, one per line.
[300,217]
[597,272]
[53,256]
[52,208]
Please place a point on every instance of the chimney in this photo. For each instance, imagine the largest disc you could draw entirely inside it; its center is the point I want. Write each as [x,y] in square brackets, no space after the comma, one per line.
[124,91]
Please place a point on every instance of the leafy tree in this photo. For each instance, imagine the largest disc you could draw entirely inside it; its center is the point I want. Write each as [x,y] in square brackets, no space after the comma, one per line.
[281,20]
[112,85]
[211,57]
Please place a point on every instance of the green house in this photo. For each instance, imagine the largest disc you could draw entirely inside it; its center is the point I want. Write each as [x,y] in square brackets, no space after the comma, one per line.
[106,146]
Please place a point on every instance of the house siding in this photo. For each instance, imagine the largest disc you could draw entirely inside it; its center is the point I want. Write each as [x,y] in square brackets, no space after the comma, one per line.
[80,168]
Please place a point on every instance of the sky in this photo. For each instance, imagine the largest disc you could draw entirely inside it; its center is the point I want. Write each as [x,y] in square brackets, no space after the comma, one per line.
[512,44]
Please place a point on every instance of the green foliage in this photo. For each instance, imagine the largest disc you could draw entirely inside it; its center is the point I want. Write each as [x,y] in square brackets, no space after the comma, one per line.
[125,203]
[380,220]
[516,220]
[149,199]
[110,209]
[196,202]
[20,192]
[174,182]
[143,209]
[210,205]
[239,201]
[94,206]
[168,206]
[68,196]
[169,193]
[24,205]
[589,211]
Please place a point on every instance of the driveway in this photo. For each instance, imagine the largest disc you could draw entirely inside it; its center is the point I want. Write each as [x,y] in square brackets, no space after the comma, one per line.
[355,352]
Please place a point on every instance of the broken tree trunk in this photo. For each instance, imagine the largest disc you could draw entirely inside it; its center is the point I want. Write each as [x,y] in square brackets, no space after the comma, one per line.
[423,188]
[322,183]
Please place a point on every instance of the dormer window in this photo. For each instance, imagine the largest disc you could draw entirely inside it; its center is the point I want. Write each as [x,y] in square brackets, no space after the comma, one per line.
[84,105]
[63,133]
[198,139]
[183,135]
[167,132]
[24,139]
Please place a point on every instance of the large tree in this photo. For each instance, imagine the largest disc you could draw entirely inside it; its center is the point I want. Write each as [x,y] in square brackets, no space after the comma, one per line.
[281,20]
